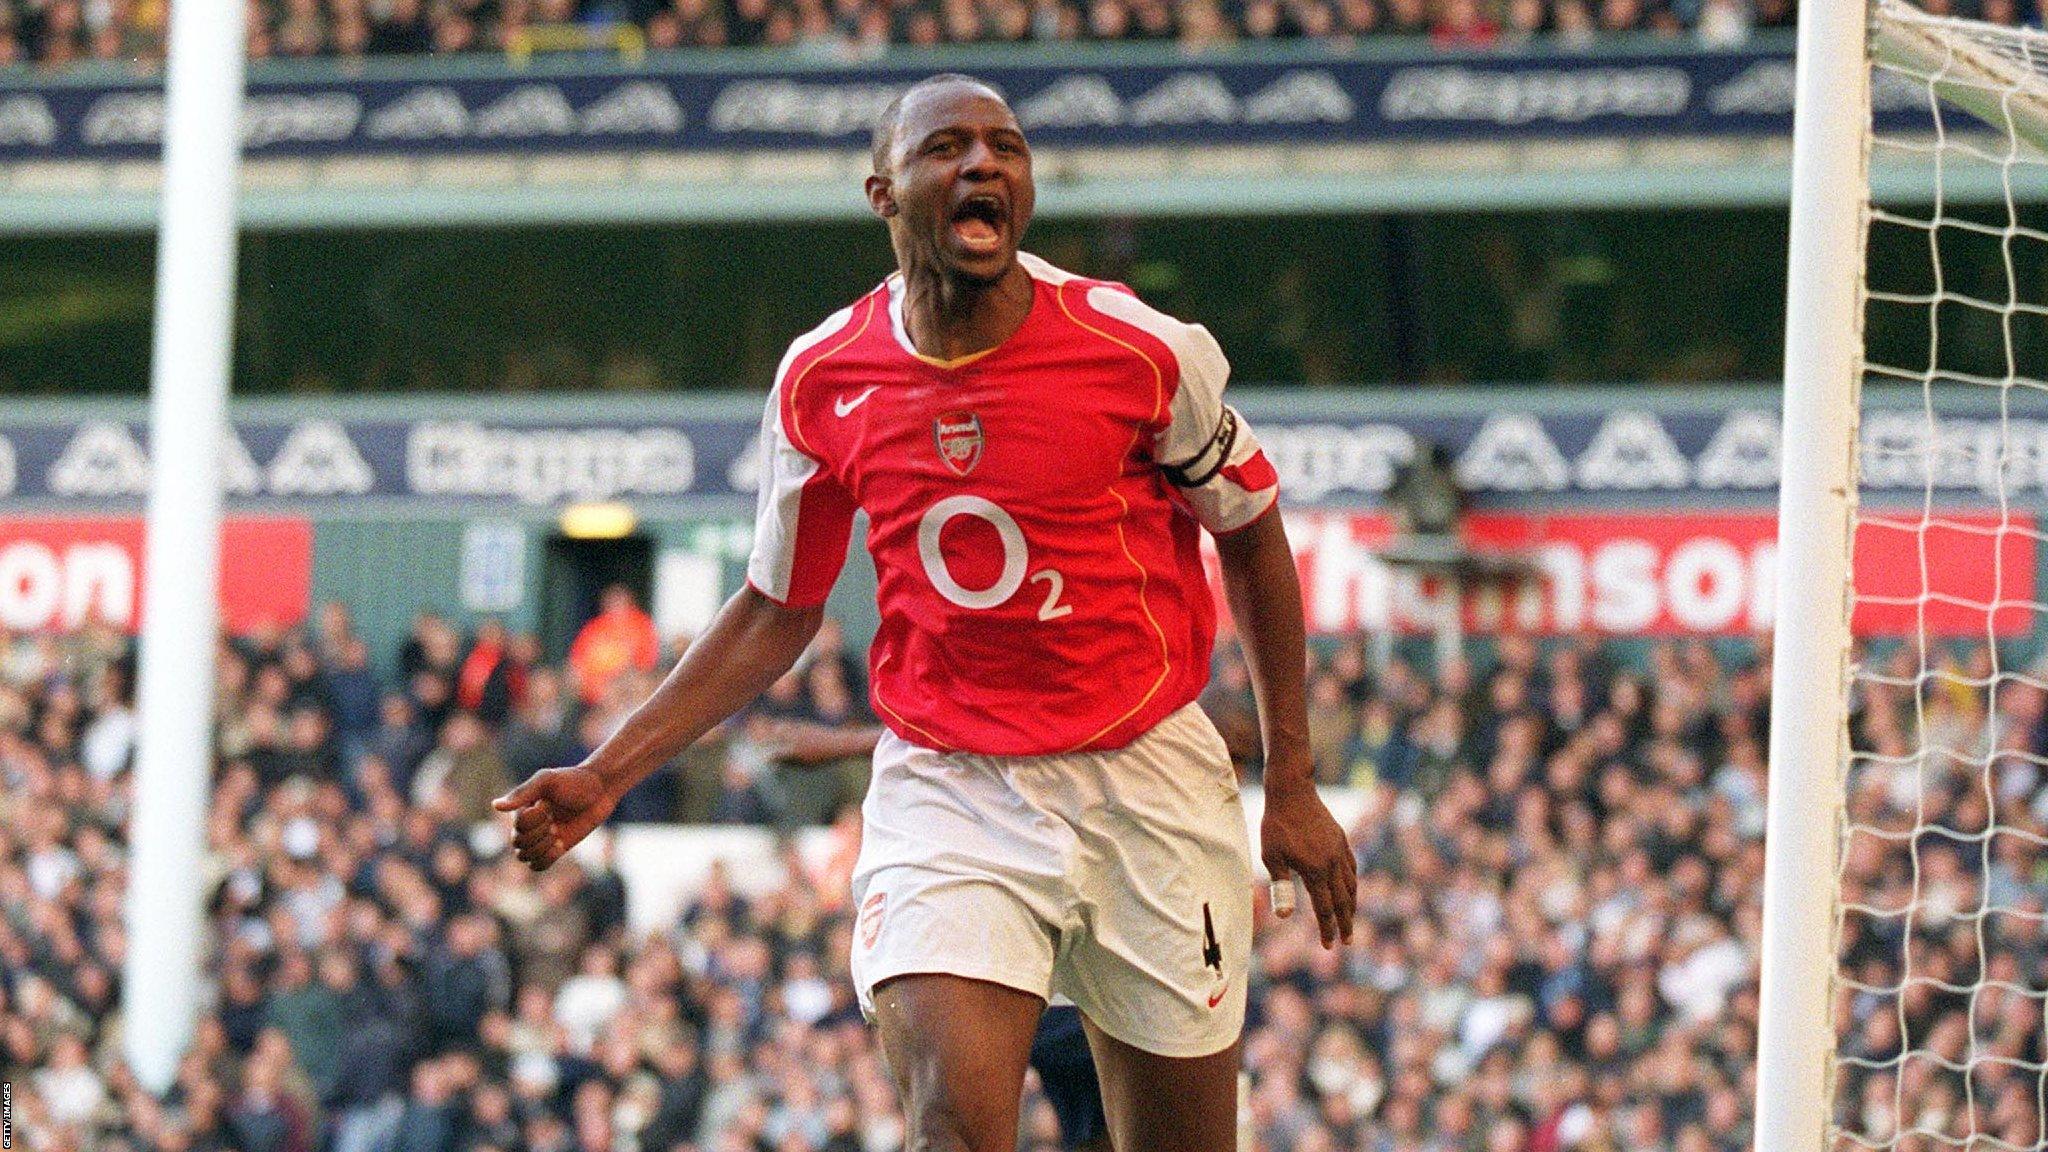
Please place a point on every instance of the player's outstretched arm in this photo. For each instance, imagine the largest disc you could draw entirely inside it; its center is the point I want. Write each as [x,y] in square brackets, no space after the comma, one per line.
[753,641]
[1298,836]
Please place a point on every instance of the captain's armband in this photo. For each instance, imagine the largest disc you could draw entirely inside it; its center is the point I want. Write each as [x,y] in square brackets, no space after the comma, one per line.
[1203,466]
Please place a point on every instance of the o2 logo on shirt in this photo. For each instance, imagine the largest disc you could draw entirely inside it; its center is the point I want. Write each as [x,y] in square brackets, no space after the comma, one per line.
[1016,558]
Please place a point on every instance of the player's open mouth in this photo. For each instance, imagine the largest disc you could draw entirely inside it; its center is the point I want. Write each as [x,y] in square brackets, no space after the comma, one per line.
[978,224]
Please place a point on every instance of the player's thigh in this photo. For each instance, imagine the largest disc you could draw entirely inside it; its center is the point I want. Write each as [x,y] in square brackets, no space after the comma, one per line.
[1166,1103]
[957,1048]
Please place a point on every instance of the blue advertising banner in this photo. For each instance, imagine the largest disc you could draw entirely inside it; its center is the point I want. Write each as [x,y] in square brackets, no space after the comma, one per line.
[1510,451]
[1313,96]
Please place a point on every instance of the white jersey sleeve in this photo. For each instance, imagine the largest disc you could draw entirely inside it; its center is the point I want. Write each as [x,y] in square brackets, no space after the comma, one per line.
[1206,449]
[804,515]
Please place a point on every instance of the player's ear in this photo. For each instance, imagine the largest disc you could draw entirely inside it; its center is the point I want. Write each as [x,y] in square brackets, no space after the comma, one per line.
[881,196]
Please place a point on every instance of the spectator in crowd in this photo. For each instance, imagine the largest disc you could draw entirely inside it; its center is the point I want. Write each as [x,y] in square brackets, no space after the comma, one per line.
[487,670]
[619,638]
[1463,24]
[108,741]
[313,1013]
[464,770]
[1560,854]
[400,740]
[535,737]
[352,694]
[433,647]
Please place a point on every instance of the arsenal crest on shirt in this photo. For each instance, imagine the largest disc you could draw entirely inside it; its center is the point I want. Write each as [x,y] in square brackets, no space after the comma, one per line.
[958,435]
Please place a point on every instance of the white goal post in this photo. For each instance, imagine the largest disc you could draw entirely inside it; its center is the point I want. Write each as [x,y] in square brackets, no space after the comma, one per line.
[162,981]
[1869,851]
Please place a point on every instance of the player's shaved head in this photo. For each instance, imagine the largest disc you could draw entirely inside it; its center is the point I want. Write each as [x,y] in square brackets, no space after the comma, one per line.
[891,119]
[952,177]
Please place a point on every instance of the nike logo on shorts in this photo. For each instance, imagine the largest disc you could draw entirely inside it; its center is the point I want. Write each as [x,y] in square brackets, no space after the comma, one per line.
[1212,956]
[843,406]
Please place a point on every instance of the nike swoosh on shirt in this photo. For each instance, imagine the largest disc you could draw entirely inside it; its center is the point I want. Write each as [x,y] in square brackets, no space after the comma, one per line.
[842,406]
[1216,997]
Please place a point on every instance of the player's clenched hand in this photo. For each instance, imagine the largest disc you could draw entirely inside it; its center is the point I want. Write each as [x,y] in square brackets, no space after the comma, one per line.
[1299,837]
[553,811]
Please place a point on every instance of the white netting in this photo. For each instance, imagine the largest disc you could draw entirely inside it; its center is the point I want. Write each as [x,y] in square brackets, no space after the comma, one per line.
[1943,981]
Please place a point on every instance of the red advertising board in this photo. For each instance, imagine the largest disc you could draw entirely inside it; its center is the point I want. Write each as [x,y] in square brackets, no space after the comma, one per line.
[58,571]
[1668,574]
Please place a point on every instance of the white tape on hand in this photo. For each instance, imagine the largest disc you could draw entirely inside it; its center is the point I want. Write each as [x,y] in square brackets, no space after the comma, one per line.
[1283,897]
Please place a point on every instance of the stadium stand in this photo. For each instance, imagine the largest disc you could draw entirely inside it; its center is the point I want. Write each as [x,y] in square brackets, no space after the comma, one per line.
[1561,860]
[56,33]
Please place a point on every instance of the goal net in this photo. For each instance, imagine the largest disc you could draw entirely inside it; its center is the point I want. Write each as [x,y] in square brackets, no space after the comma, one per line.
[1940,985]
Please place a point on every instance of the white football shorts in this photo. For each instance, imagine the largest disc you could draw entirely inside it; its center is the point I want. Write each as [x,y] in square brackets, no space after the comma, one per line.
[1120,879]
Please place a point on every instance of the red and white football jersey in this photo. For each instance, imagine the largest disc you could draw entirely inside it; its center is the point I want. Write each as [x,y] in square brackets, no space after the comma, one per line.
[1032,512]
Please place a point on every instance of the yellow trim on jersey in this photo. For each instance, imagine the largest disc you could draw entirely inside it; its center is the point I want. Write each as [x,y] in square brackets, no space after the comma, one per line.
[910,346]
[795,433]
[1165,653]
[1144,577]
[956,361]
[1158,377]
[875,692]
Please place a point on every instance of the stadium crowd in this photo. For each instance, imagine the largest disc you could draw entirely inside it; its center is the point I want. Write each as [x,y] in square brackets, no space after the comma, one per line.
[1561,877]
[56,33]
